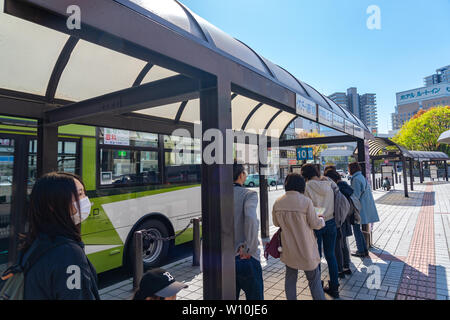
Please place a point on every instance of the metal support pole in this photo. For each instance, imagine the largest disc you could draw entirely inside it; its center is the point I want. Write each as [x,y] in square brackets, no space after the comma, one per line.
[47,148]
[405,181]
[373,174]
[19,203]
[218,252]
[446,170]
[138,265]
[421,171]
[196,242]
[263,203]
[395,171]
[411,174]
[362,163]
[362,156]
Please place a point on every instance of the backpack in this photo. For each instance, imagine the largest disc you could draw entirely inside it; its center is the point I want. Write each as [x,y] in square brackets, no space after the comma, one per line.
[355,204]
[13,279]
[341,207]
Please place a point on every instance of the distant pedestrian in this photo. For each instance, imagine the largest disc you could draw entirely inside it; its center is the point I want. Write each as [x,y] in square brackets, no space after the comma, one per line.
[386,184]
[322,195]
[158,284]
[58,205]
[295,215]
[368,212]
[344,230]
[248,267]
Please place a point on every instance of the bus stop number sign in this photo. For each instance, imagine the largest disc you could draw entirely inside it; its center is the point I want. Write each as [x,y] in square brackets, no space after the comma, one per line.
[305,154]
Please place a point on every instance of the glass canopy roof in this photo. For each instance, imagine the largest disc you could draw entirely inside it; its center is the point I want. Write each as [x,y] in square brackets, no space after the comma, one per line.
[29,54]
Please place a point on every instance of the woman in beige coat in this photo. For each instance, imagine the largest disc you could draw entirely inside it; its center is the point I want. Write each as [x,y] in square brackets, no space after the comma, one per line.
[295,215]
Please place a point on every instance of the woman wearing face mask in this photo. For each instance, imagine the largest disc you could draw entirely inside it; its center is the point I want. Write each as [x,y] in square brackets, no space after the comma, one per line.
[60,269]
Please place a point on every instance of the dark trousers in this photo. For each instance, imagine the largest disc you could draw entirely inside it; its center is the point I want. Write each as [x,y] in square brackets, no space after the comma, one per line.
[359,239]
[249,278]
[327,236]
[341,251]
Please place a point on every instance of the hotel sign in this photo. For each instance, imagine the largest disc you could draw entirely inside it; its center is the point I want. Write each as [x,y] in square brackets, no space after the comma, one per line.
[415,95]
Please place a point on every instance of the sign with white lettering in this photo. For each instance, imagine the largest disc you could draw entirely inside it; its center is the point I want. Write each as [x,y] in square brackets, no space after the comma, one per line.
[358,132]
[306,107]
[325,116]
[348,127]
[305,154]
[338,122]
[415,95]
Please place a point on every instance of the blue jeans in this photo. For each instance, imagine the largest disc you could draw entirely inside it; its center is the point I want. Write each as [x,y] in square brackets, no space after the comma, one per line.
[249,278]
[327,236]
[359,238]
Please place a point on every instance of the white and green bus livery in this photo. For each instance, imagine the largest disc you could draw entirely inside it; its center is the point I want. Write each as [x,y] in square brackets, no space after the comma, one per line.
[134,180]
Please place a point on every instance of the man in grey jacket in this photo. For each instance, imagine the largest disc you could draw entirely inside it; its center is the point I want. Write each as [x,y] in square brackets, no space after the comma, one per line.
[246,225]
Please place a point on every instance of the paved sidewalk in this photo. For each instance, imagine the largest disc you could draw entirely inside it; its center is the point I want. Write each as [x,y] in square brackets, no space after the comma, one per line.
[410,259]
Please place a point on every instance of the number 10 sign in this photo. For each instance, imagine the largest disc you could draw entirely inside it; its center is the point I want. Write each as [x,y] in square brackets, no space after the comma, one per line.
[305,154]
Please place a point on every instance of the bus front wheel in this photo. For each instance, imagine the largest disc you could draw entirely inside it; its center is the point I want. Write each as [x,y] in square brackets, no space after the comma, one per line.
[154,251]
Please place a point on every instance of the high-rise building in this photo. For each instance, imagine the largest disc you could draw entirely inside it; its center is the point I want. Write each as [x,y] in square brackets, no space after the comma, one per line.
[363,106]
[353,101]
[341,99]
[435,93]
[442,75]
[368,110]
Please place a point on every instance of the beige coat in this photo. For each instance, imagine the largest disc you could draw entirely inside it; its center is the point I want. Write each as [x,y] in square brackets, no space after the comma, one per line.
[294,214]
[322,196]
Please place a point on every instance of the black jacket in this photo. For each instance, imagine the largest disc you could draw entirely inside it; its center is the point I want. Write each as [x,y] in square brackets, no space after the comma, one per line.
[345,188]
[62,273]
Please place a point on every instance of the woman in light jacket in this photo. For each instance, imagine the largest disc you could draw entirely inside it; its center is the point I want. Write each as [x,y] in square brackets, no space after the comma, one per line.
[320,191]
[368,213]
[294,214]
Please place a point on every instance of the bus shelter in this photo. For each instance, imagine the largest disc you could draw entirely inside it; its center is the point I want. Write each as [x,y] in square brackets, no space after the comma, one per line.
[429,157]
[153,67]
[386,149]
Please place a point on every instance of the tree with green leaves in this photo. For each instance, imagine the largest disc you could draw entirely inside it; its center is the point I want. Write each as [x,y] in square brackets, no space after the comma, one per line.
[422,131]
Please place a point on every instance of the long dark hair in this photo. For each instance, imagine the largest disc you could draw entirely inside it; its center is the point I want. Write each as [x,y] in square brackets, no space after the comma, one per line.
[50,208]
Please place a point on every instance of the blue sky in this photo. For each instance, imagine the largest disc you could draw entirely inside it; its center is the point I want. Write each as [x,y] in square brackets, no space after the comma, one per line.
[327,44]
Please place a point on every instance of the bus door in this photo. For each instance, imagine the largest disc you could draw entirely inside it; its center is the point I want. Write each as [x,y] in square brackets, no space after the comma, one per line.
[13,185]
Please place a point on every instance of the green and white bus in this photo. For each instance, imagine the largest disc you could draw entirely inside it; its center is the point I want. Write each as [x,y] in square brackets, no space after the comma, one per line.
[133,179]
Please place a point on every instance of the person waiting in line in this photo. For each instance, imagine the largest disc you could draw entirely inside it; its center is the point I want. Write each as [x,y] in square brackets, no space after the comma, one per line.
[295,215]
[386,184]
[345,230]
[246,225]
[322,195]
[158,284]
[368,212]
[58,205]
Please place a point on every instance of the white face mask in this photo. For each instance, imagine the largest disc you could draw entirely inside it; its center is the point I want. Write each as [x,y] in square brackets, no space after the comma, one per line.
[85,210]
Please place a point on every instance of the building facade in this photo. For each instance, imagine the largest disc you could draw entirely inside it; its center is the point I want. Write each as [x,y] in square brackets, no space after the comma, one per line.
[368,111]
[442,75]
[341,99]
[363,106]
[435,93]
